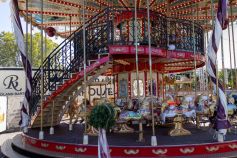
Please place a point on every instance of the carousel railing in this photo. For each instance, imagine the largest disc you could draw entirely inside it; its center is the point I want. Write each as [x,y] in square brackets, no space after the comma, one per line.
[105,29]
[185,35]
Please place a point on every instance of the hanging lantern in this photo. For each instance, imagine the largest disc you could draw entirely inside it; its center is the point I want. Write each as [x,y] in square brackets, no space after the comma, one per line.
[50,31]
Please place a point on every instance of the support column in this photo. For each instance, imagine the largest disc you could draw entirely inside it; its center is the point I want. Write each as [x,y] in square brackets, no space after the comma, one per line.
[41,133]
[158,85]
[117,88]
[146,84]
[129,86]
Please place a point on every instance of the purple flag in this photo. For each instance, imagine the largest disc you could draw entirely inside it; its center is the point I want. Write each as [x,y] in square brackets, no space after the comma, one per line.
[26,63]
[221,123]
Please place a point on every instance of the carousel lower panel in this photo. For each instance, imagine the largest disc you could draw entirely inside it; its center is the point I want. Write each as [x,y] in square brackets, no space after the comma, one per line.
[200,143]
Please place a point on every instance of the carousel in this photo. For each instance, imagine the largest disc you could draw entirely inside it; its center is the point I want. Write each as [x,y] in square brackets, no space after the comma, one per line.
[138,48]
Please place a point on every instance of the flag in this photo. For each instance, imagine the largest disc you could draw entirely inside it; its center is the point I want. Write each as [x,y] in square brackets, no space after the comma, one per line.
[221,22]
[26,63]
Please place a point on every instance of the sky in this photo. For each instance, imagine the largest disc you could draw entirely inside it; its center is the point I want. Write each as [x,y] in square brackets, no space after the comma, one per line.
[5,25]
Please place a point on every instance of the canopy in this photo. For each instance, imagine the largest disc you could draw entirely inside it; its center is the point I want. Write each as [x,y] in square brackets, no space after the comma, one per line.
[61,14]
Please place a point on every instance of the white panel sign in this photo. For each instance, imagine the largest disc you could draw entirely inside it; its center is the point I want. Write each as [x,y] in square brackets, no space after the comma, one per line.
[12,82]
[3,111]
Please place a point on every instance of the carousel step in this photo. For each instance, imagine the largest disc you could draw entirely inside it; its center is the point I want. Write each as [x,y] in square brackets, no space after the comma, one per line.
[59,104]
[61,98]
[49,113]
[56,109]
[91,61]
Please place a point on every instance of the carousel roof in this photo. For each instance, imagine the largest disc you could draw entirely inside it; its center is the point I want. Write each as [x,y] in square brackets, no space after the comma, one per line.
[61,14]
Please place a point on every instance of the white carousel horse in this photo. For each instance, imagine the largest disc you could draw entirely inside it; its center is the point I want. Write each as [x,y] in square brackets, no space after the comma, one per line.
[145,107]
[188,107]
[170,111]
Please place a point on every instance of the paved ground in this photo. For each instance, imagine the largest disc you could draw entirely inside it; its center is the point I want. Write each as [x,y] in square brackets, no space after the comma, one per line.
[4,137]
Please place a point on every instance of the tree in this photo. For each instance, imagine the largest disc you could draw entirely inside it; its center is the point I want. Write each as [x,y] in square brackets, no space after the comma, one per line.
[8,49]
[36,47]
[9,52]
[230,76]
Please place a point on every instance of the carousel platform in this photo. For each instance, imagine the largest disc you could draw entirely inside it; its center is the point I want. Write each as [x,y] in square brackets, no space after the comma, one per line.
[66,143]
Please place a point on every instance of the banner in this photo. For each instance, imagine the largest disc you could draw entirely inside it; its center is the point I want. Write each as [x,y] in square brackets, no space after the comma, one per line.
[13,111]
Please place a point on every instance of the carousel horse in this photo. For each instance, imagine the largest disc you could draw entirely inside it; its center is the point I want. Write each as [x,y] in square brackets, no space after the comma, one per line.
[205,105]
[231,106]
[188,107]
[145,107]
[169,111]
[130,111]
[205,109]
[168,108]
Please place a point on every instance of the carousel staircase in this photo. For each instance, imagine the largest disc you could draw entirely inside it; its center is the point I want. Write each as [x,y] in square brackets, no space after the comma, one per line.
[63,70]
[59,101]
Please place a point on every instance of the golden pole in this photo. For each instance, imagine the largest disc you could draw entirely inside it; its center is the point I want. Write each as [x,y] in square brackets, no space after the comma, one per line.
[153,138]
[51,130]
[195,63]
[207,42]
[41,133]
[85,137]
[141,138]
[25,129]
[31,40]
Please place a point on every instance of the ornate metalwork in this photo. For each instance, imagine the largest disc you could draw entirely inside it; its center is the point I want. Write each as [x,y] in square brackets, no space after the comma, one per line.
[180,34]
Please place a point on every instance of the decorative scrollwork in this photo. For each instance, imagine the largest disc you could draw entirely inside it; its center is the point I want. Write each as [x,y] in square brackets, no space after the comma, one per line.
[187,150]
[159,151]
[233,146]
[33,141]
[60,147]
[45,145]
[80,150]
[212,148]
[131,151]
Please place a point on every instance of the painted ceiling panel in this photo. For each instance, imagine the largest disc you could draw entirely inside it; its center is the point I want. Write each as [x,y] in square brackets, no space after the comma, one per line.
[61,14]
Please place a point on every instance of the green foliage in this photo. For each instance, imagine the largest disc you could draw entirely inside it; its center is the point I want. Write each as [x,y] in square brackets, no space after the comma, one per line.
[9,51]
[231,73]
[36,48]
[102,116]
